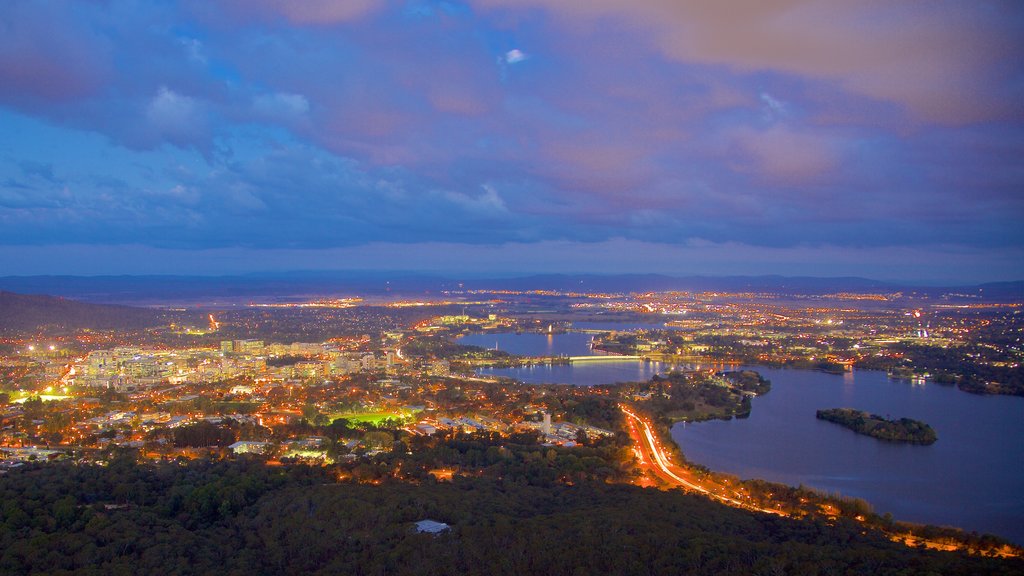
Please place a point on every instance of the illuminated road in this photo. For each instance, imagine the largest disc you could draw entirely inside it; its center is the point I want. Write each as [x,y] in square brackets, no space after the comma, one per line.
[599,358]
[653,457]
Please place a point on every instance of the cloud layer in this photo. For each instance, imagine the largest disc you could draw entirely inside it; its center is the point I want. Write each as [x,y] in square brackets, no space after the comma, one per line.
[791,125]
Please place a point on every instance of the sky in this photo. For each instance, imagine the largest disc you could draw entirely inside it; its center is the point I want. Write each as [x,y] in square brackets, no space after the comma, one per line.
[875,138]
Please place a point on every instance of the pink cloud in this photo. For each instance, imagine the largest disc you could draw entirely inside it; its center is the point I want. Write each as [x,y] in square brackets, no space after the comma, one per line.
[587,162]
[783,155]
[946,62]
[49,56]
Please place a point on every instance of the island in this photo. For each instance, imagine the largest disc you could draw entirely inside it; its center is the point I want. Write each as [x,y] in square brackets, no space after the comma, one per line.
[902,430]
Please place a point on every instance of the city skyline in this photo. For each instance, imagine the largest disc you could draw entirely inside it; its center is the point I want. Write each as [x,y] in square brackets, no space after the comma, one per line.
[796,138]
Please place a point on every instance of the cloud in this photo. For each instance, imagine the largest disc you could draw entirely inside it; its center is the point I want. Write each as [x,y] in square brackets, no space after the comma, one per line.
[281,106]
[194,50]
[178,118]
[22,197]
[946,62]
[273,124]
[47,56]
[515,56]
[184,194]
[317,12]
[773,108]
[486,204]
[783,155]
[242,198]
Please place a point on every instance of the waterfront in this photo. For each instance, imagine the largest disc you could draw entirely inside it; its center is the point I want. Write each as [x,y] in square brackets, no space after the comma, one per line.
[561,344]
[567,344]
[534,344]
[970,478]
[581,373]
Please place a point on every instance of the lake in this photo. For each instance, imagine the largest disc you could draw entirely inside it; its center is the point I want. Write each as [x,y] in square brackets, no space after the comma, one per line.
[532,344]
[581,374]
[972,477]
[568,344]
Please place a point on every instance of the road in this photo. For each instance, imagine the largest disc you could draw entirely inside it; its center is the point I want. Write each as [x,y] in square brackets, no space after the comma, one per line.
[654,459]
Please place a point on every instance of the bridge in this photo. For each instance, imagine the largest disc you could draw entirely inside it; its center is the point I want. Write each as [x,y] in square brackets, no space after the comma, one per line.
[573,359]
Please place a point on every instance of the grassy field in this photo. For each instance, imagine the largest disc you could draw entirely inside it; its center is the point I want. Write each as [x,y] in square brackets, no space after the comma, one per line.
[374,418]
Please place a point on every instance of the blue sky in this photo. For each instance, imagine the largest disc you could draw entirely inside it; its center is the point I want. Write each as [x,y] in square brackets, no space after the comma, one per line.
[870,138]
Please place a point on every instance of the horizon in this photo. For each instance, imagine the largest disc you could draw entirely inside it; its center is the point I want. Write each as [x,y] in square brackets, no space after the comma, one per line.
[912,270]
[308,278]
[526,137]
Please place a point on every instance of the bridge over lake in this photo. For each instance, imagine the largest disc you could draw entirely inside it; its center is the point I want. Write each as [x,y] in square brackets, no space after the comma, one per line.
[574,359]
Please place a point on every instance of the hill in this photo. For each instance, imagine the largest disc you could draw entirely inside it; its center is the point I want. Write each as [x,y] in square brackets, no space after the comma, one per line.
[21,312]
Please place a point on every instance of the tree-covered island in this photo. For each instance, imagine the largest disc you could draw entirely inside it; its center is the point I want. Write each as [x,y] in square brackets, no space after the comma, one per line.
[902,430]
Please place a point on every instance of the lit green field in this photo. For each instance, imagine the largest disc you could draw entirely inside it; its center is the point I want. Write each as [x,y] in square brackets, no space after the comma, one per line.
[374,418]
[43,397]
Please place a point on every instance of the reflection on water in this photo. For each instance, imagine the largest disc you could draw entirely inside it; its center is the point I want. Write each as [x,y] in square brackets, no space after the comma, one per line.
[534,344]
[582,373]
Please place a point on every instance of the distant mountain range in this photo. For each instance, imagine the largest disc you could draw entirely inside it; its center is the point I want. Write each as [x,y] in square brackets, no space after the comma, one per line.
[804,285]
[270,287]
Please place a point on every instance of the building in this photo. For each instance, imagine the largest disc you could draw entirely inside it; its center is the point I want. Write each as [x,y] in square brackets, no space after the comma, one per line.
[250,347]
[440,368]
[250,447]
[431,527]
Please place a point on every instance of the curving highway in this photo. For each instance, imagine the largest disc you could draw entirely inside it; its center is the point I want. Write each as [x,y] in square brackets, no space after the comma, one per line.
[654,458]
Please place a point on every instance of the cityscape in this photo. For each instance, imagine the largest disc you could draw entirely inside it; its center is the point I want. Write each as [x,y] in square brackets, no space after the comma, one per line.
[495,287]
[393,389]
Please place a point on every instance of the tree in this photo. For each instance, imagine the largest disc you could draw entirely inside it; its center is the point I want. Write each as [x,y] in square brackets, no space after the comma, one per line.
[379,439]
[581,437]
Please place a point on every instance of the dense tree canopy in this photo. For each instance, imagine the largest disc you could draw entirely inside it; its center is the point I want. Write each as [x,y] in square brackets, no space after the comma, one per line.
[246,518]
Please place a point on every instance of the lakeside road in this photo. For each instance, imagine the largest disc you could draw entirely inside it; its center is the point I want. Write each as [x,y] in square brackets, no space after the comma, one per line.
[655,460]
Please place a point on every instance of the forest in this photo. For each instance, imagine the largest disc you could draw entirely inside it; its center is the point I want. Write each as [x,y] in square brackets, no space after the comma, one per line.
[244,517]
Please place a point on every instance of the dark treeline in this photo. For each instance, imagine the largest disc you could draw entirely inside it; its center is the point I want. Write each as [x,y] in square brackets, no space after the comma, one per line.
[245,518]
